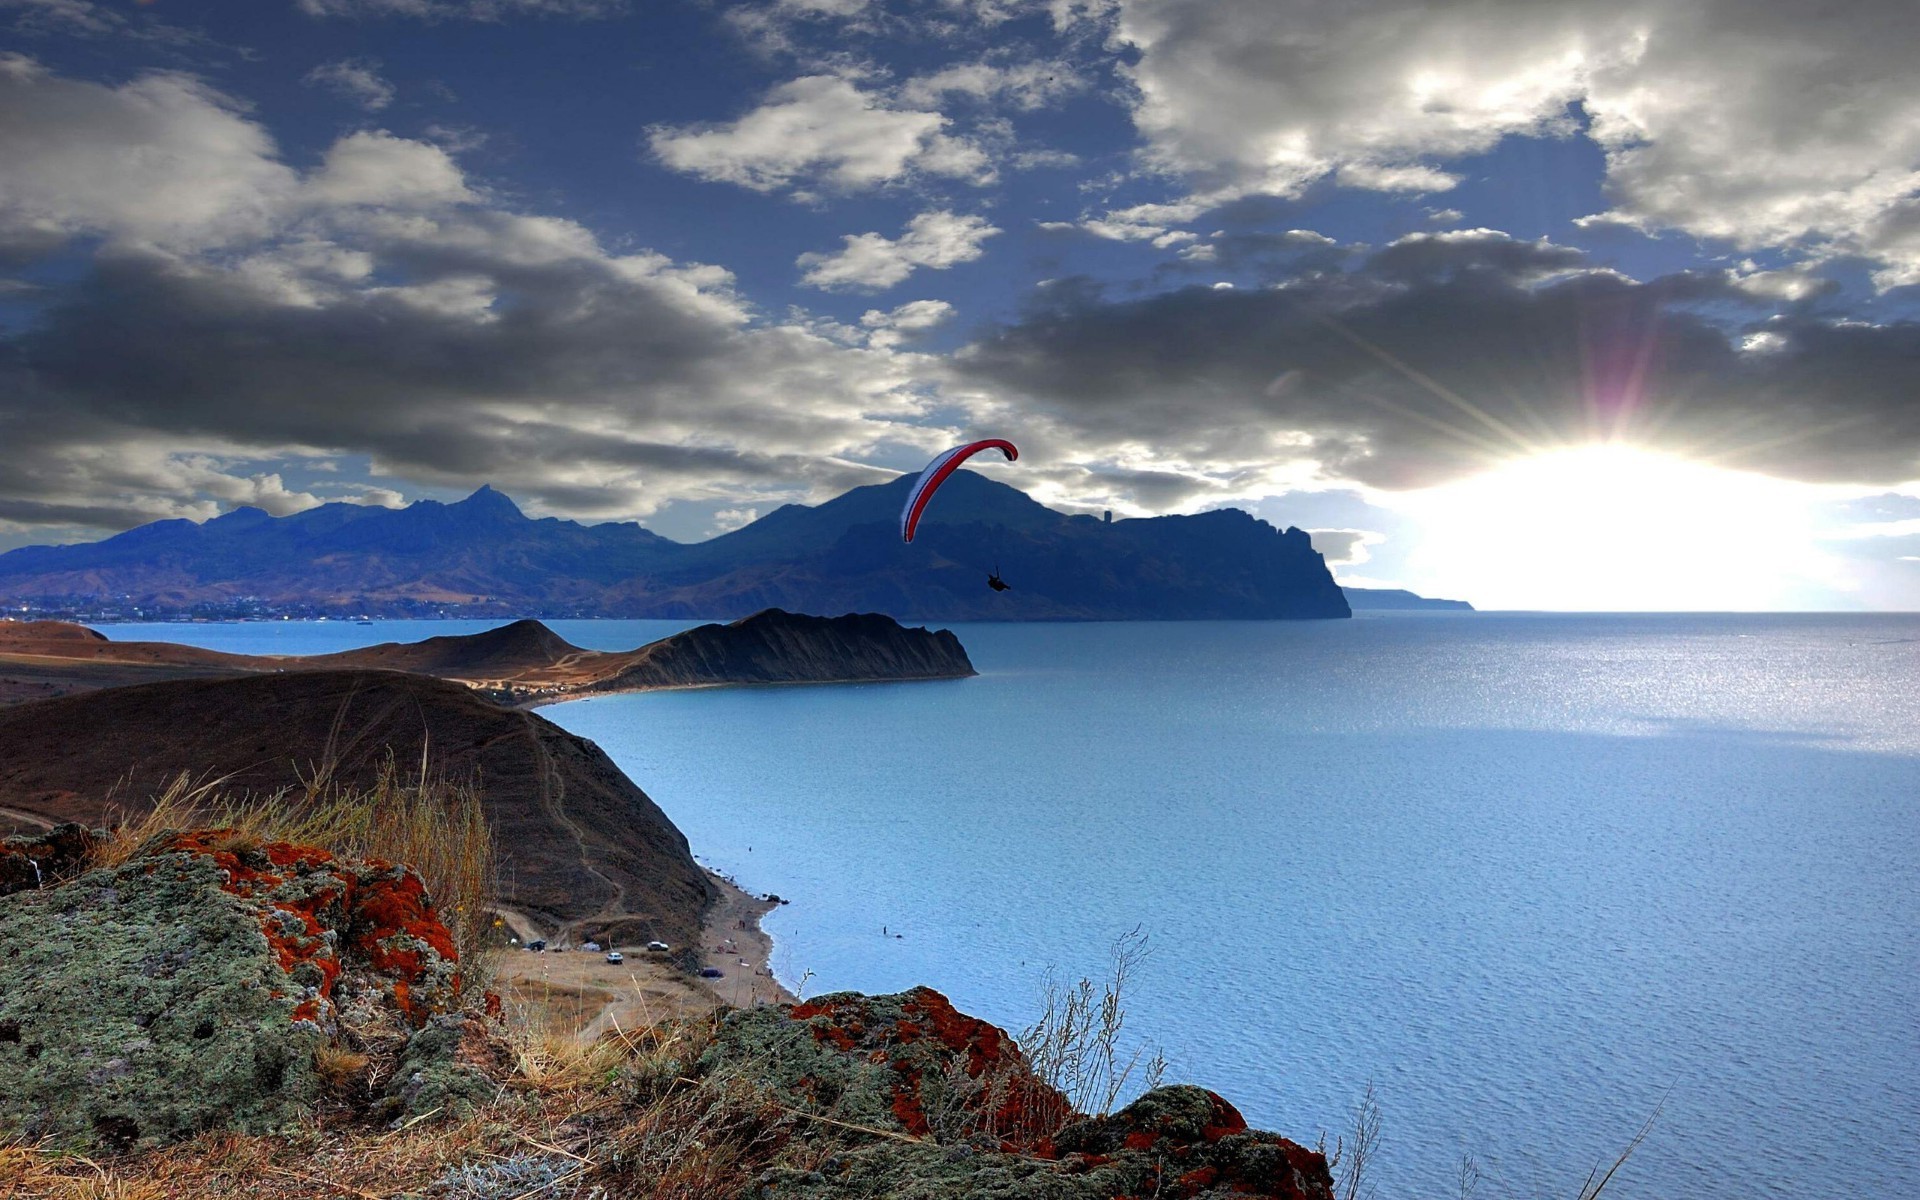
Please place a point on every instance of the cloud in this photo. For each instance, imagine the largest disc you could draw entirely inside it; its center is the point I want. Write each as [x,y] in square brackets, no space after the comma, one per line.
[164,159]
[1740,120]
[356,79]
[821,130]
[936,240]
[915,316]
[1441,355]
[1345,547]
[379,305]
[1029,85]
[472,10]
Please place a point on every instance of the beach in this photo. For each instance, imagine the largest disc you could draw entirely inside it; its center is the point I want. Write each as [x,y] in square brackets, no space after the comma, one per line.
[578,993]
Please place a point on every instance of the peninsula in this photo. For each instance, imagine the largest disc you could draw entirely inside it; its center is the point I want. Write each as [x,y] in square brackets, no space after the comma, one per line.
[520,662]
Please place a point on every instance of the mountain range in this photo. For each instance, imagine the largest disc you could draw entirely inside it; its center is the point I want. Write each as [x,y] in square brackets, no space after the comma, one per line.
[483,557]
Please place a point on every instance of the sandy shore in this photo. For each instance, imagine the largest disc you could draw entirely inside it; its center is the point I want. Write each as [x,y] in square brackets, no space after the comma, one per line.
[579,993]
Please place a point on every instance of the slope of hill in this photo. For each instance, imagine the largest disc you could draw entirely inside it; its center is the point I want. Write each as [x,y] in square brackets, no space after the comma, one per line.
[483,557]
[1399,600]
[523,660]
[580,844]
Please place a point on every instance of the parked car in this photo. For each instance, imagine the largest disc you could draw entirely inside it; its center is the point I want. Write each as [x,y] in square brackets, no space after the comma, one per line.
[537,944]
[711,973]
[590,947]
[658,947]
[614,956]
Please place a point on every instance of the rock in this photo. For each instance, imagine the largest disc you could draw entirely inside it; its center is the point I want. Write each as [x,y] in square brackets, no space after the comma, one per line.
[43,861]
[908,1063]
[449,1066]
[190,987]
[959,1113]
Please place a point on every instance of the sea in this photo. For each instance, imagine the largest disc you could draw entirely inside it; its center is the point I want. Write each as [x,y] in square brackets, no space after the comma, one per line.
[1538,885]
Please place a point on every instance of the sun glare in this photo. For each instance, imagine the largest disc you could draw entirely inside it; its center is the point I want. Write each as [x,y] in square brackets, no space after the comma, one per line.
[1616,528]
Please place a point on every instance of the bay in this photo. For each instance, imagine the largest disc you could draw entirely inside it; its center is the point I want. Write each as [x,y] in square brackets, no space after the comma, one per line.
[1531,877]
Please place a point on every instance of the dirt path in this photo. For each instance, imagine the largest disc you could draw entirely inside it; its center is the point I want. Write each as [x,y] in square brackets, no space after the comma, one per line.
[553,793]
[22,817]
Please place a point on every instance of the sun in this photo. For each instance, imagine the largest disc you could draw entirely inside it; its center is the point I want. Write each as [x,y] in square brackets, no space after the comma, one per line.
[1616,528]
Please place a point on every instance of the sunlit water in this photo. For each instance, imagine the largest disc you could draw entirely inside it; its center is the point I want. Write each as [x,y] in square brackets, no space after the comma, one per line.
[1532,878]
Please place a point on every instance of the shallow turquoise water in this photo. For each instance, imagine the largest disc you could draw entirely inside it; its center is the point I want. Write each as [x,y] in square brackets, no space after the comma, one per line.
[1527,875]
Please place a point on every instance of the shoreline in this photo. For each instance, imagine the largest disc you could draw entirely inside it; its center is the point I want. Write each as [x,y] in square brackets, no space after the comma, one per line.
[536,702]
[733,941]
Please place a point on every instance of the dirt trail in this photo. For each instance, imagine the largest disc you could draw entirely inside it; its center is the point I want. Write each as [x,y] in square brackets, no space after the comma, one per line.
[22,817]
[553,794]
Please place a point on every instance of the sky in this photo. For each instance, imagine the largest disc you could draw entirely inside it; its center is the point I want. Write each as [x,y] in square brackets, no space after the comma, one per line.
[1565,304]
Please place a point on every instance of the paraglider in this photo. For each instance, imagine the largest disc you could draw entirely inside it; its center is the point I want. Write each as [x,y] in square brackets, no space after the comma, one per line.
[936,474]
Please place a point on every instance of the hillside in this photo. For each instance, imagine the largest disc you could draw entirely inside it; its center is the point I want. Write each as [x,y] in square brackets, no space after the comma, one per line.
[579,842]
[523,660]
[482,556]
[1399,600]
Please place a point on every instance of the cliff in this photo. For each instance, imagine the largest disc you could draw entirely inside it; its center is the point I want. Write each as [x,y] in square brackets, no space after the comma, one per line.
[579,842]
[482,556]
[782,647]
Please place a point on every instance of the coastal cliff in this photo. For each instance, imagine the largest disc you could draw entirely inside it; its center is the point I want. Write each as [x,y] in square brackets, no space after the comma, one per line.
[782,647]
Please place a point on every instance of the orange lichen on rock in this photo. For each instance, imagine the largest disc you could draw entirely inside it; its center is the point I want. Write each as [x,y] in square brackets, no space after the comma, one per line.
[928,1037]
[324,916]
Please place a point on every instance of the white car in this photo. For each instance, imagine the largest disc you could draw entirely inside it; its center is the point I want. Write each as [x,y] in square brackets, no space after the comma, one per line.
[614,956]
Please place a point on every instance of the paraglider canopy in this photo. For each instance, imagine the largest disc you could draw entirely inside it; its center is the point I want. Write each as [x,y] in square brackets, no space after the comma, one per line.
[936,474]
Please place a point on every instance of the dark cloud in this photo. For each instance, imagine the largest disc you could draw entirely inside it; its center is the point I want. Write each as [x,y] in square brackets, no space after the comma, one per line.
[1438,356]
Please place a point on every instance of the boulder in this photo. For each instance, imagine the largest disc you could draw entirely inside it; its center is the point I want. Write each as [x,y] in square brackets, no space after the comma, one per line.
[191,986]
[955,1111]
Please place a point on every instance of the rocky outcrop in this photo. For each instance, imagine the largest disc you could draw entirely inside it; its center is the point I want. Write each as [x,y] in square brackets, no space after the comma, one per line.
[198,984]
[782,647]
[960,1114]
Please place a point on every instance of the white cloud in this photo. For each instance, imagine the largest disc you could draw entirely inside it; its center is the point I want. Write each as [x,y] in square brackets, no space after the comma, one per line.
[915,316]
[356,79]
[1028,85]
[164,159]
[1743,120]
[821,128]
[936,240]
[377,168]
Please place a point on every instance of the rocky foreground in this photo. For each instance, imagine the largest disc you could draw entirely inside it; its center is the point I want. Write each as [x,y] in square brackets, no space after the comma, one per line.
[206,982]
[269,1016]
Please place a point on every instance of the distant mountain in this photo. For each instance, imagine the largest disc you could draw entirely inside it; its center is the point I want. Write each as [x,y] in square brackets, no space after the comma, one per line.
[482,556]
[1398,599]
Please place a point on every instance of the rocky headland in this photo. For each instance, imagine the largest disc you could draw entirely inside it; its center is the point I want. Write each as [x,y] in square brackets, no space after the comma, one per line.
[520,661]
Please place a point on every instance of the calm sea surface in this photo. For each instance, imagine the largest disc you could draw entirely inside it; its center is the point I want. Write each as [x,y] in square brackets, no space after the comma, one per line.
[1532,877]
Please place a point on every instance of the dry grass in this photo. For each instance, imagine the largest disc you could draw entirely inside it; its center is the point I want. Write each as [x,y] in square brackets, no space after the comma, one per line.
[1075,1045]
